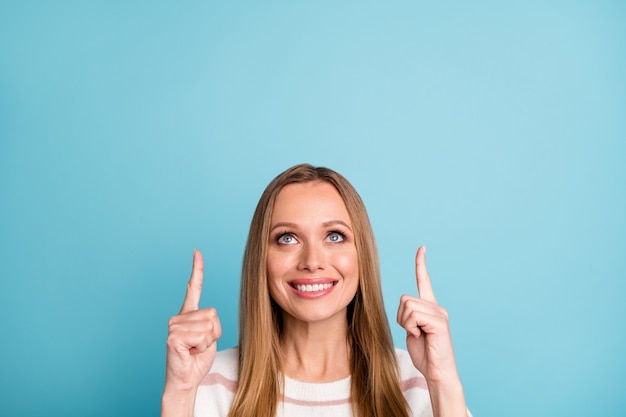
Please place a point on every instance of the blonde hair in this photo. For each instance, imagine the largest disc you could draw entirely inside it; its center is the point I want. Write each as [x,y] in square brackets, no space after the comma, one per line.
[375,389]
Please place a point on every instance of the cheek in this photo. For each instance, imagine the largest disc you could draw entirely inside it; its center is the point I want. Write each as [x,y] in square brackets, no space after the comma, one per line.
[348,264]
[276,266]
[278,269]
[273,280]
[274,290]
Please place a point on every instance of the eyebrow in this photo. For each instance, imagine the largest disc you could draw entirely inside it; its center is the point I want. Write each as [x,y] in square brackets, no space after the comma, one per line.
[325,224]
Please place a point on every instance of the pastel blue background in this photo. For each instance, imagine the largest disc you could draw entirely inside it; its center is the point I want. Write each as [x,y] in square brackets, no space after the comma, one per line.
[133,132]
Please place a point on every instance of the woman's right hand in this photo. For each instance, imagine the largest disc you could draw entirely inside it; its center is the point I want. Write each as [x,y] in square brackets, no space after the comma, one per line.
[191,347]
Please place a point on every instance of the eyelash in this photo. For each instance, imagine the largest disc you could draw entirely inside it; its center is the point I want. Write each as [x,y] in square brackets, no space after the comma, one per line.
[280,235]
[338,232]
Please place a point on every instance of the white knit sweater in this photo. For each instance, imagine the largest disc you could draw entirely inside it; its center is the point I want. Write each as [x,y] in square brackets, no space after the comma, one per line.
[303,399]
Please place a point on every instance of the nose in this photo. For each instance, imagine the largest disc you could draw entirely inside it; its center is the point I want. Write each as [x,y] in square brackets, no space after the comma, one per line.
[312,258]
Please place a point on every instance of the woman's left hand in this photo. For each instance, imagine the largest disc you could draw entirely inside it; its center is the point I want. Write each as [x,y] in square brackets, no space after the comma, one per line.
[428,332]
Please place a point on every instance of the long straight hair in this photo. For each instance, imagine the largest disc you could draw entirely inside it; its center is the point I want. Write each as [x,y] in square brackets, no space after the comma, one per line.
[375,389]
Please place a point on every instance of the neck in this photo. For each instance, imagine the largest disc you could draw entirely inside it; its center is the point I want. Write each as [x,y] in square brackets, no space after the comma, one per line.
[315,351]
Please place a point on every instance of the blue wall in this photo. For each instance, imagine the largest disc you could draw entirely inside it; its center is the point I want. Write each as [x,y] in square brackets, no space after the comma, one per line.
[133,132]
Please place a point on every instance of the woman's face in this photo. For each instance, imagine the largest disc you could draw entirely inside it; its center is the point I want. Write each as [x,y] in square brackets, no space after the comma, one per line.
[312,261]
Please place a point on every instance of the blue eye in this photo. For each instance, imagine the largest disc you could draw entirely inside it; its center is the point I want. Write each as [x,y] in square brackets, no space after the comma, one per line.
[286,239]
[336,237]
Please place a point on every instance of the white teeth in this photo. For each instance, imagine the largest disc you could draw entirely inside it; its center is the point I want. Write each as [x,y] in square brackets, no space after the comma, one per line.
[314,287]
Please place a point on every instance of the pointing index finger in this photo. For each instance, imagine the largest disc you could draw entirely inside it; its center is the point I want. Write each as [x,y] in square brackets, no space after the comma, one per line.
[194,286]
[424,286]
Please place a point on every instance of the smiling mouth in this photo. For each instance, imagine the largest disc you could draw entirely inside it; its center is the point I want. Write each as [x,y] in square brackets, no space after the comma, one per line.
[313,287]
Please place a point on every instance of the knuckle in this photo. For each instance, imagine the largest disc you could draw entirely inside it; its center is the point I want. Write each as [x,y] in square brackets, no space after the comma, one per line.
[209,314]
[172,340]
[172,321]
[208,326]
[173,328]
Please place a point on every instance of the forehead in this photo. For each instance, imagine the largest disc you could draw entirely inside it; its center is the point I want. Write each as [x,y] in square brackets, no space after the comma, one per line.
[316,199]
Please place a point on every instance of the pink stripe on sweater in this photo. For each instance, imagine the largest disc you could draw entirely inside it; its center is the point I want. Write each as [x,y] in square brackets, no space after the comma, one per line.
[219,379]
[416,382]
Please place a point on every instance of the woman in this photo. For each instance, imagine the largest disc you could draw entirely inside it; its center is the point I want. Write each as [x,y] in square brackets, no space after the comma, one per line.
[313,334]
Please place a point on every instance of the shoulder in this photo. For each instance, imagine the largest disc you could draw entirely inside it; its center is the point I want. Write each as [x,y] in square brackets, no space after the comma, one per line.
[225,368]
[226,362]
[408,373]
[217,390]
[413,385]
